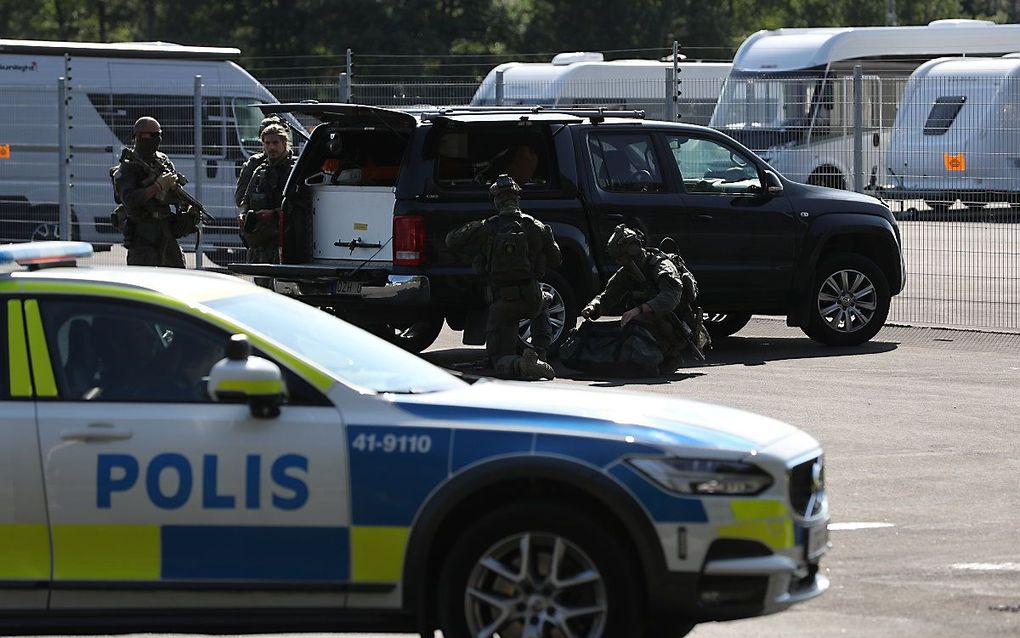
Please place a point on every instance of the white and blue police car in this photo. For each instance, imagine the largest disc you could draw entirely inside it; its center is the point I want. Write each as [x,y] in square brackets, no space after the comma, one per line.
[185,451]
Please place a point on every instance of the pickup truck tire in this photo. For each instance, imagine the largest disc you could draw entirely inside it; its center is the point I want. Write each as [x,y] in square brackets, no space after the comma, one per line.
[562,310]
[720,325]
[849,300]
[510,574]
[414,336]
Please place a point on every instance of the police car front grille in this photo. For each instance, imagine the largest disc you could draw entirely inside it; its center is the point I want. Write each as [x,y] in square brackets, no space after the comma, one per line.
[805,492]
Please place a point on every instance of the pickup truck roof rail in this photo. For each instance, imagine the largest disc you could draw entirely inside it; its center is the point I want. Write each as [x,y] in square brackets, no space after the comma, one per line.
[594,114]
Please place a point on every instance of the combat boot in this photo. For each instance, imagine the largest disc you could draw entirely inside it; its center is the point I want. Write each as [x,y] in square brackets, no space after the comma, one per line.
[533,368]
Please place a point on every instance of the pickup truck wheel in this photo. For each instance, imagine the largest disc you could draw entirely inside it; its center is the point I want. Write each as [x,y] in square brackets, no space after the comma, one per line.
[562,310]
[849,301]
[535,570]
[414,336]
[720,325]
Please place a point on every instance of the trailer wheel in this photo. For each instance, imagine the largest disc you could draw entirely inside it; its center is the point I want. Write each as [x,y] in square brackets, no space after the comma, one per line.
[829,177]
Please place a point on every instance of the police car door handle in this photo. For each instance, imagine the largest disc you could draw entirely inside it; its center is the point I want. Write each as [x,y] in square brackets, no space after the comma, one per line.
[96,432]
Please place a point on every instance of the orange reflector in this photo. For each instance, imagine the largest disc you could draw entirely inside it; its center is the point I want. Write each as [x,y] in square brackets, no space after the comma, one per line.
[954,162]
[5,151]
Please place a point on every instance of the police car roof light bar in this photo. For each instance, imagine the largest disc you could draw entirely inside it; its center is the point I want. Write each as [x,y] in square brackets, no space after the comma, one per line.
[44,252]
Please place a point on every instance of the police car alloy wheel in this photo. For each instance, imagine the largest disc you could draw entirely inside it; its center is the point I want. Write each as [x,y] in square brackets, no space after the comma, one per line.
[539,570]
[850,301]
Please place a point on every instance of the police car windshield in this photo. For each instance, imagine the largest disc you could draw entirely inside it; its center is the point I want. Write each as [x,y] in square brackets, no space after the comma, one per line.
[352,354]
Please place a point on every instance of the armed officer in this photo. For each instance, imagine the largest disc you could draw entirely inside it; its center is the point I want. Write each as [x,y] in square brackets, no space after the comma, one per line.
[656,293]
[146,184]
[514,251]
[264,196]
[253,162]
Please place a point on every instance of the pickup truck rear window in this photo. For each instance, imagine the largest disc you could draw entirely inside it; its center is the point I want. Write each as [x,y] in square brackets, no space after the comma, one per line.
[472,158]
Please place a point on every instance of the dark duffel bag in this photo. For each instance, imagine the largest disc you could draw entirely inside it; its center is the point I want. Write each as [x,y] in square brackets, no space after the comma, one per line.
[606,348]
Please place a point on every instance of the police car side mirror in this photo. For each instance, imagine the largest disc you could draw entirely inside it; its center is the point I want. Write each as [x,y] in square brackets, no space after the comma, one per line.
[241,377]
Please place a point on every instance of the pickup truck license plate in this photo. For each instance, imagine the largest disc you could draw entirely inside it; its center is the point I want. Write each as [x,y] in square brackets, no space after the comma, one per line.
[817,541]
[348,287]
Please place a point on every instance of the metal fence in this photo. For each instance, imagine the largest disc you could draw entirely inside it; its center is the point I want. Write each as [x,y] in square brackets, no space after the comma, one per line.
[943,151]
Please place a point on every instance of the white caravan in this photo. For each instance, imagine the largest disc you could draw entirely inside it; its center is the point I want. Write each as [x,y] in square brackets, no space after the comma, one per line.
[587,80]
[109,87]
[789,95]
[957,133]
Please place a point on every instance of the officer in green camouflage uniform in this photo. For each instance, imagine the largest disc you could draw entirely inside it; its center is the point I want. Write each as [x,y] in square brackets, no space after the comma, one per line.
[253,162]
[264,196]
[514,251]
[144,180]
[649,285]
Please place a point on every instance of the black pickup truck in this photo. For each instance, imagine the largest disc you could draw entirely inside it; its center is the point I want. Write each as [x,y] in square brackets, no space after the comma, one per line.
[375,191]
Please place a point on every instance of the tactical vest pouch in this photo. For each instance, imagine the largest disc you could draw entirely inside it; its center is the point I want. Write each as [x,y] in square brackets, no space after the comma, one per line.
[509,254]
[118,218]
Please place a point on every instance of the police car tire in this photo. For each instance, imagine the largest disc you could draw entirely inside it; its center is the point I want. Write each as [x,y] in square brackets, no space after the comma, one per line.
[625,612]
[822,331]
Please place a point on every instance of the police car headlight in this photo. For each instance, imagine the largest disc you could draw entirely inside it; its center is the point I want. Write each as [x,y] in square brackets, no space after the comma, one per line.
[704,476]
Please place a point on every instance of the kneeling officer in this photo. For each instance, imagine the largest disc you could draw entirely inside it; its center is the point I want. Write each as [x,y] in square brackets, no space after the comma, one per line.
[658,293]
[514,250]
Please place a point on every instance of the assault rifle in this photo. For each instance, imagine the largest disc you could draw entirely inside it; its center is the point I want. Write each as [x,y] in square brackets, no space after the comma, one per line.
[184,199]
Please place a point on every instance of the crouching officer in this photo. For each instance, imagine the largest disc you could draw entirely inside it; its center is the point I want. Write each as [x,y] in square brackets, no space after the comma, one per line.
[656,292]
[514,250]
[264,197]
[145,182]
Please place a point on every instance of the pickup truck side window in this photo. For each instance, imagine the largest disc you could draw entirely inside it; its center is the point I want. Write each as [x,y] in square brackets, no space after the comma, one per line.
[471,158]
[706,166]
[625,163]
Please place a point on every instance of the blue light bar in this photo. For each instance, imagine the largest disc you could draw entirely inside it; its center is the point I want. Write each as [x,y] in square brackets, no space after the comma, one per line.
[44,252]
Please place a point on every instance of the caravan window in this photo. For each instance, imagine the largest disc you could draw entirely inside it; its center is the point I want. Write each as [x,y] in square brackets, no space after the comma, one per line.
[943,113]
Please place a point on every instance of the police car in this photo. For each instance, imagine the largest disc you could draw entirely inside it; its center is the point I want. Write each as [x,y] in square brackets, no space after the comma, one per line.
[186,451]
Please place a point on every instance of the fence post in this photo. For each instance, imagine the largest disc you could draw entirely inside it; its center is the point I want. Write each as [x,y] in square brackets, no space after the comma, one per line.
[674,106]
[199,165]
[345,88]
[348,96]
[858,128]
[64,189]
[499,88]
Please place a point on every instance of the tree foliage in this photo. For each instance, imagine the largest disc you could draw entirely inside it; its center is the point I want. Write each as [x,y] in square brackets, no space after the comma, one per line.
[282,37]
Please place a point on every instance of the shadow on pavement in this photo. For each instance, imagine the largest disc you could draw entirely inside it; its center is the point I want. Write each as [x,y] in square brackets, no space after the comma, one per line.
[736,350]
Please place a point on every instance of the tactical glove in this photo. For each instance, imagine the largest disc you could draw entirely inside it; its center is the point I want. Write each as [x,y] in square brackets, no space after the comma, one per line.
[593,310]
[167,182]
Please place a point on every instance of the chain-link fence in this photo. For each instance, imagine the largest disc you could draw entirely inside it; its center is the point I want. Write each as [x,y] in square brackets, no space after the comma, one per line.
[944,150]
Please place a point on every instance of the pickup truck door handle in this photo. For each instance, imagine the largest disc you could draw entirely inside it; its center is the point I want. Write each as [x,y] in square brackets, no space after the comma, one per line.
[703,218]
[97,432]
[615,217]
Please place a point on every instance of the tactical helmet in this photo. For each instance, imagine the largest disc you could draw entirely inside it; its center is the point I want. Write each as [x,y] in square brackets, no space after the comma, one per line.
[625,243]
[503,186]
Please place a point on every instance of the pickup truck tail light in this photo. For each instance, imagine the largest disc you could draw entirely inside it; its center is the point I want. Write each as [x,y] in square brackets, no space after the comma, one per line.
[408,240]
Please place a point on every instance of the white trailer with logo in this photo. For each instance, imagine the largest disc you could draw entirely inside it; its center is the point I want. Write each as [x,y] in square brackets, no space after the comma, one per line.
[585,79]
[790,93]
[109,86]
[957,133]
